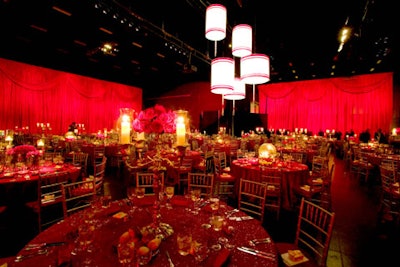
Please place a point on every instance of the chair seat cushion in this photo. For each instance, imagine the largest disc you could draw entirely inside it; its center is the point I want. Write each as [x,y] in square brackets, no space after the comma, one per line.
[225,177]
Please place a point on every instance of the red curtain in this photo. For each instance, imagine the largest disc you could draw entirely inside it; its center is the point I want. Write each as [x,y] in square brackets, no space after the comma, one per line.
[31,95]
[342,104]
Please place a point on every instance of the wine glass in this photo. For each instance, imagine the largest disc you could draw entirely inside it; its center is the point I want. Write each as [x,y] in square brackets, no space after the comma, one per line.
[195,196]
[140,192]
[131,194]
[169,192]
[84,243]
[214,204]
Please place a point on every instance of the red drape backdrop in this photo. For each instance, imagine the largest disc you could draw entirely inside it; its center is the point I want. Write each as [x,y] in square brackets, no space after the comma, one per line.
[31,94]
[358,103]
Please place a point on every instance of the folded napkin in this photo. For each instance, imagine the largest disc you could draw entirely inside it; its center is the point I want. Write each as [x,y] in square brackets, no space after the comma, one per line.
[222,258]
[317,181]
[305,187]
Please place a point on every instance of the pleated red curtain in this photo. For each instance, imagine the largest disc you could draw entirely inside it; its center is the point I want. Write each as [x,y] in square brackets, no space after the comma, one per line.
[31,95]
[357,102]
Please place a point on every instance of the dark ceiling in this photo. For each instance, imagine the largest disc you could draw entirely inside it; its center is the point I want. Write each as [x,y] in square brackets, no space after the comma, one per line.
[161,44]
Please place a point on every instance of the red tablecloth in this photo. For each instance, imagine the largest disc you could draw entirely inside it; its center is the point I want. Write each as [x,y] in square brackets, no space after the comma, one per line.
[29,175]
[109,229]
[293,173]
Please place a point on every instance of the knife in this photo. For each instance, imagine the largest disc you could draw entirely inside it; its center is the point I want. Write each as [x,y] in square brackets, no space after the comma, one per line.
[43,245]
[258,253]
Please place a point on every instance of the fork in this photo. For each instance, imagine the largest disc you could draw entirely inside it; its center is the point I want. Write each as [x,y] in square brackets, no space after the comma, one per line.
[255,242]
[171,264]
[20,258]
[230,213]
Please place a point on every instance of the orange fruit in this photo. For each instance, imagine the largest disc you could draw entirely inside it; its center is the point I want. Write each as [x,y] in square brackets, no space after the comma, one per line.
[154,243]
[125,237]
[143,250]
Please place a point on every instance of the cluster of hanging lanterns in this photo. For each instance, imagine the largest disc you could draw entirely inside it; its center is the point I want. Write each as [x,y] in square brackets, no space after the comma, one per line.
[254,68]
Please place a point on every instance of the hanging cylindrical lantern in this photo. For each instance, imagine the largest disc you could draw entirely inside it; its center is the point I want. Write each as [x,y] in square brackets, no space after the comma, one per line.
[222,75]
[239,91]
[216,22]
[254,69]
[242,40]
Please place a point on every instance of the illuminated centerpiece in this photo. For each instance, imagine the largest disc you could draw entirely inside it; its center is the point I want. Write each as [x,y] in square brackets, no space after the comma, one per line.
[156,121]
[266,154]
[126,115]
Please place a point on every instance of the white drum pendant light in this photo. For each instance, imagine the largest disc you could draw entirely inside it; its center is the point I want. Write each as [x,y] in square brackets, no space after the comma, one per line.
[222,75]
[254,69]
[239,91]
[216,22]
[242,40]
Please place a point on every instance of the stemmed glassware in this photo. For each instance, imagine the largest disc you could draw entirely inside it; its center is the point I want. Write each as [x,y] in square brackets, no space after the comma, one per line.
[195,197]
[169,192]
[140,191]
[131,194]
[84,243]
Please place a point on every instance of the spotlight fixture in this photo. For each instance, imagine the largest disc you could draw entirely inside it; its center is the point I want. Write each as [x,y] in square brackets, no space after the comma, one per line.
[109,48]
[344,34]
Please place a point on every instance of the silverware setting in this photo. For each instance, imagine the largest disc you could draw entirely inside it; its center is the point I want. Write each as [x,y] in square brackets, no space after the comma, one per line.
[171,264]
[255,242]
[43,245]
[231,212]
[258,253]
[22,257]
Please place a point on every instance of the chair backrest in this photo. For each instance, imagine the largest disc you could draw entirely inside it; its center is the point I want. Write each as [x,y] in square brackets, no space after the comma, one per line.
[78,195]
[51,195]
[390,163]
[146,180]
[219,162]
[202,181]
[273,184]
[80,159]
[99,171]
[252,198]
[319,165]
[314,230]
[297,156]
[388,177]
[209,162]
[96,154]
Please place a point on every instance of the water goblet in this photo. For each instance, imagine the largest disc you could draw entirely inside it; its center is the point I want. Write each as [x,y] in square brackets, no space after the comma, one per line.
[214,204]
[169,192]
[195,196]
[131,194]
[184,241]
[217,222]
[140,192]
[126,253]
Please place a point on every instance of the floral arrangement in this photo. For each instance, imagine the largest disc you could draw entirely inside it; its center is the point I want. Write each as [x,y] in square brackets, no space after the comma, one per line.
[156,119]
[23,151]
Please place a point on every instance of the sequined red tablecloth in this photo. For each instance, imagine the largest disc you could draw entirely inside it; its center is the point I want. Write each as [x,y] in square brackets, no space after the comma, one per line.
[109,229]
[293,173]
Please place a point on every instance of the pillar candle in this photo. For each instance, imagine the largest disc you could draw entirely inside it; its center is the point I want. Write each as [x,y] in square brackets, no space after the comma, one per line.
[125,132]
[180,132]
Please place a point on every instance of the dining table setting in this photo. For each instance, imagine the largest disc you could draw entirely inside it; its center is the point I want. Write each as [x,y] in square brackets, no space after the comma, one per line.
[125,232]
[293,173]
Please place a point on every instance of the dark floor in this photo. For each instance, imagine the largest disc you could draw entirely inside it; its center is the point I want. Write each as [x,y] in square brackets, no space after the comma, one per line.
[360,237]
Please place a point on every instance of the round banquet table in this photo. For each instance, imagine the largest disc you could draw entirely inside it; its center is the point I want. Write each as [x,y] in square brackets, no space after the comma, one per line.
[110,227]
[19,187]
[293,173]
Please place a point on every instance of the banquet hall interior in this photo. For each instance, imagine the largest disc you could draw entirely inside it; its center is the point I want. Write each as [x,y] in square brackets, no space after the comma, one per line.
[95,93]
